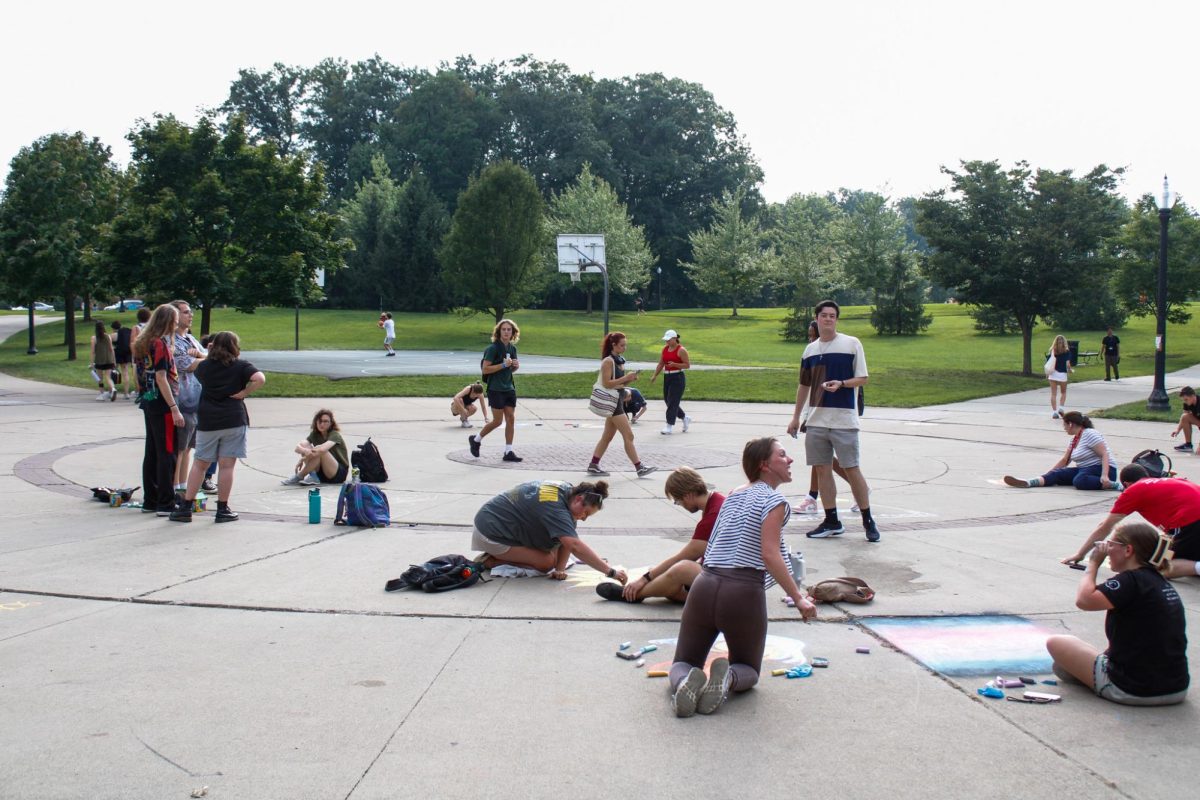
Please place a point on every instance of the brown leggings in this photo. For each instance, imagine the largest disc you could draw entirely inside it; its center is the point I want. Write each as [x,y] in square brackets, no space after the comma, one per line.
[730,601]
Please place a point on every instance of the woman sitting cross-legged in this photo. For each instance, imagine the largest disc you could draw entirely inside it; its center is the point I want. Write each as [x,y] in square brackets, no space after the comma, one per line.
[323,454]
[1095,465]
[1145,663]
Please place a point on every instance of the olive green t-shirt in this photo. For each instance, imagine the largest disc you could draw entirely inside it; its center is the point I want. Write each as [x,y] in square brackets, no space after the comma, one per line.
[339,446]
[502,379]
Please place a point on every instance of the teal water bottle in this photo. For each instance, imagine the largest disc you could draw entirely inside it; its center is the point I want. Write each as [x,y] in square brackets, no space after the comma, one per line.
[314,506]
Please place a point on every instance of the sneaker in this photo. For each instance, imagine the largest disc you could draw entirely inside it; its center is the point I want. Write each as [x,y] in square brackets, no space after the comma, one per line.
[226,514]
[594,469]
[166,512]
[309,480]
[511,456]
[112,396]
[1017,482]
[292,481]
[209,485]
[182,512]
[667,431]
[807,506]
[389,355]
[149,509]
[872,532]
[609,590]
[687,694]
[644,470]
[687,423]
[826,529]
[466,423]
[101,397]
[1054,415]
[1186,447]
[474,445]
[717,688]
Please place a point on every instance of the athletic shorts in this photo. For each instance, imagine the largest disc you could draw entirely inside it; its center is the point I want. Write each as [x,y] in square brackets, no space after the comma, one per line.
[481,542]
[389,339]
[502,399]
[338,477]
[124,357]
[102,368]
[1104,687]
[185,437]
[225,443]
[822,444]
[1186,542]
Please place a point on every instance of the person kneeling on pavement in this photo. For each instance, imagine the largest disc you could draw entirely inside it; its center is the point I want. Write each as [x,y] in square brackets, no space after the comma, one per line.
[674,577]
[323,454]
[533,526]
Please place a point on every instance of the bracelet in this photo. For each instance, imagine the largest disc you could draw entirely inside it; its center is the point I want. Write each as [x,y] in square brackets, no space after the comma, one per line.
[611,572]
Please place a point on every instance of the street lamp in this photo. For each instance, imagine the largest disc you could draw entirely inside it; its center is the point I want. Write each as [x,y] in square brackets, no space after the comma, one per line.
[660,288]
[1158,395]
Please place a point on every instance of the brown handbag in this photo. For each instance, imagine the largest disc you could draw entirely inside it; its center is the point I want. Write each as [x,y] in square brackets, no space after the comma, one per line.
[842,590]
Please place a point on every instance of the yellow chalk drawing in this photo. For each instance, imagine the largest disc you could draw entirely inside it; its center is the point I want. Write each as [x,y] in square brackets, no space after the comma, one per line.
[17,605]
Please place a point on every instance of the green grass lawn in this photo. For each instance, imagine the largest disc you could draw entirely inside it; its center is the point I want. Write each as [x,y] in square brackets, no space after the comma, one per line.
[950,362]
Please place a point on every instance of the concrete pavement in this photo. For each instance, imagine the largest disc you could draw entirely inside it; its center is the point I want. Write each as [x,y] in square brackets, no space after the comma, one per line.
[141,658]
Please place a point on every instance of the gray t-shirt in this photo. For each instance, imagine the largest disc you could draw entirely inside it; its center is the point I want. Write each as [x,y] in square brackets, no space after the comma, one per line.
[533,514]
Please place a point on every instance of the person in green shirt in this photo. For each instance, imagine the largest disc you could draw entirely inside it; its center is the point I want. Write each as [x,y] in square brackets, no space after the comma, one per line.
[499,363]
[323,455]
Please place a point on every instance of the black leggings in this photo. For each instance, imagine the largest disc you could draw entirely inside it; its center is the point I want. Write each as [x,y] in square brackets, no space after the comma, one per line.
[158,465]
[730,601]
[673,385]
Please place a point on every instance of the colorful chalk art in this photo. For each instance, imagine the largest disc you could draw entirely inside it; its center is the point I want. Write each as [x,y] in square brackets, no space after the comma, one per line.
[963,646]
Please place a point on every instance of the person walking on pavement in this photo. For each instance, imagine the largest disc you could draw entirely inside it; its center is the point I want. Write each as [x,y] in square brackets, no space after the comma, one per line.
[389,331]
[831,371]
[104,362]
[674,360]
[1057,375]
[499,363]
[1111,345]
[613,376]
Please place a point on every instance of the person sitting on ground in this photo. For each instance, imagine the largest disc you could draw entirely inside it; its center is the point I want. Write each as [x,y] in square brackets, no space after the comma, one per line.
[673,578]
[533,524]
[323,454]
[1172,504]
[1190,418]
[635,405]
[462,405]
[1145,663]
[1094,462]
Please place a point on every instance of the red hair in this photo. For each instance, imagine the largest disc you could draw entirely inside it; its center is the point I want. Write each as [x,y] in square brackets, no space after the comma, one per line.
[608,342]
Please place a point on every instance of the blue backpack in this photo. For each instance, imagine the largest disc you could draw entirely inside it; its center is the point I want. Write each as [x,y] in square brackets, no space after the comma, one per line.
[364,505]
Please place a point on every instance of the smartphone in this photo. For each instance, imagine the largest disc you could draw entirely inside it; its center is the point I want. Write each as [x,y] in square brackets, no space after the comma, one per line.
[1042,697]
[1077,566]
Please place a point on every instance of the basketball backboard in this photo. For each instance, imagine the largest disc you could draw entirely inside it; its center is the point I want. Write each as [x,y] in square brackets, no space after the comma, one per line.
[581,252]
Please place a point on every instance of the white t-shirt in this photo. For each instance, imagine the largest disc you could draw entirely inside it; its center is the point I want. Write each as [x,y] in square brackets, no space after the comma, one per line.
[839,359]
[389,329]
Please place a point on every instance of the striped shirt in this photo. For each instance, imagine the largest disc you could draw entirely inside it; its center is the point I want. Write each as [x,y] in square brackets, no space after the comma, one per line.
[736,539]
[1086,454]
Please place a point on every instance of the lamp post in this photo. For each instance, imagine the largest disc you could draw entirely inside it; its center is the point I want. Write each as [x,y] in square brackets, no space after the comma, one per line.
[660,288]
[1158,395]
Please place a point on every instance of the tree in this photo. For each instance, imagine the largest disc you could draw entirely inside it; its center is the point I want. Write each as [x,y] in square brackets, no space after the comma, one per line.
[1136,281]
[1019,241]
[365,217]
[591,206]
[491,254]
[421,223]
[59,194]
[213,219]
[732,257]
[270,103]
[804,230]
[899,309]
[870,235]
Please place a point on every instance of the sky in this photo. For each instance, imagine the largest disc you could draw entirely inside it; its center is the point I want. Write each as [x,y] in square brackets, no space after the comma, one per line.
[865,95]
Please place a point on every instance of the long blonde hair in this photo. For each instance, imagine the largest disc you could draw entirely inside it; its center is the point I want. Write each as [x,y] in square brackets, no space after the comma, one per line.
[162,324]
[1060,345]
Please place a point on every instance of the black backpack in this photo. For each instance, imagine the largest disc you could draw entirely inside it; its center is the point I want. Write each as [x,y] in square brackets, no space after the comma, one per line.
[369,463]
[440,574]
[1157,464]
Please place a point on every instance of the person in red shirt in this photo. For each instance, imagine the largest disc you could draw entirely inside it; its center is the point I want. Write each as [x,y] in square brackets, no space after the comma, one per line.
[1172,504]
[673,577]
[674,360]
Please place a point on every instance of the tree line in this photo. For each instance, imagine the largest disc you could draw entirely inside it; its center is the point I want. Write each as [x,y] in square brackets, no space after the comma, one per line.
[420,190]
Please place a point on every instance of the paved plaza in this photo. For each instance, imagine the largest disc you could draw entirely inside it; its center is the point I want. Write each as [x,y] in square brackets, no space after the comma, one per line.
[145,659]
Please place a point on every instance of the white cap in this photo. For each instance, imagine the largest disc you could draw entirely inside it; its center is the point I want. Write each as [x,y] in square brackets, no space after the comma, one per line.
[671,334]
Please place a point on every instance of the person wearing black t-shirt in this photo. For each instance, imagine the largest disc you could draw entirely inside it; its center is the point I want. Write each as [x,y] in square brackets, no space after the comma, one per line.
[221,422]
[1146,660]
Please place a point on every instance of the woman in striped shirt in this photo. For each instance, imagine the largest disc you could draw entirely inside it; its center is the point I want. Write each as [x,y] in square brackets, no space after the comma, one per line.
[1095,464]
[745,556]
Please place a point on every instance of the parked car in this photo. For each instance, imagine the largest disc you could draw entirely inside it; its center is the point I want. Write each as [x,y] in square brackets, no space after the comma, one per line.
[36,307]
[130,305]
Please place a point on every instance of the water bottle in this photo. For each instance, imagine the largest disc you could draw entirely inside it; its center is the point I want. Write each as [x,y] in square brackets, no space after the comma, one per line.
[796,567]
[314,506]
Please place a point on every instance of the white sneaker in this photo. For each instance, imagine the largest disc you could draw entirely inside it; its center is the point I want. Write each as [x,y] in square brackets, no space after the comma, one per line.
[466,423]
[807,506]
[668,430]
[687,421]
[309,480]
[102,396]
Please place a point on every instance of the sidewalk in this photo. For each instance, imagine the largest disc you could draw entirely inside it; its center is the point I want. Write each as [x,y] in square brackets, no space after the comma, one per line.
[141,658]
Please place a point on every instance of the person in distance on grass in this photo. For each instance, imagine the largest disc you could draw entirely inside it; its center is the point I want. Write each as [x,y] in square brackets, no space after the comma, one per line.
[1145,663]
[1172,504]
[674,577]
[1111,345]
[1190,418]
[389,331]
[1094,462]
[323,454]
[745,556]
[499,363]
[614,377]
[462,405]
[533,526]
[831,372]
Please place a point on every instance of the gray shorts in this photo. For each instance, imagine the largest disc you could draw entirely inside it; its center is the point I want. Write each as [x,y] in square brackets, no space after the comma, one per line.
[185,437]
[1104,687]
[225,443]
[822,444]
[481,542]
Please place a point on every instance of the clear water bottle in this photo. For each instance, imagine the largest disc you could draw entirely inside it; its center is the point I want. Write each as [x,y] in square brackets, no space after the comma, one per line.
[796,565]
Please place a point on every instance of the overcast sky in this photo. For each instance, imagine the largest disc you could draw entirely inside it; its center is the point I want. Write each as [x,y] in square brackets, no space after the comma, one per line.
[866,95]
